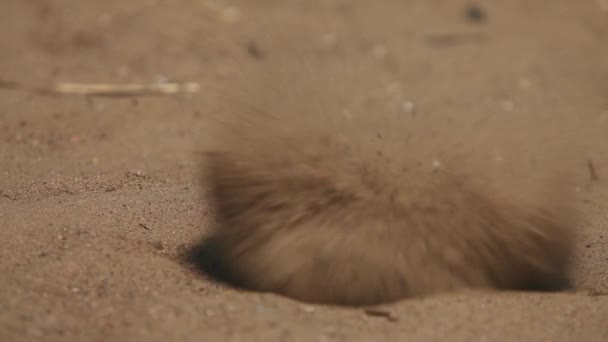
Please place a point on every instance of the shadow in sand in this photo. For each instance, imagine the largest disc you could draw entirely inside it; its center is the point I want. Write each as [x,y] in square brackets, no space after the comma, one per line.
[205,256]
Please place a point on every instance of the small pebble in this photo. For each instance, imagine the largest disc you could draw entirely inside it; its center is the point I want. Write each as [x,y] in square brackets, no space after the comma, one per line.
[408,107]
[307,308]
[231,15]
[158,244]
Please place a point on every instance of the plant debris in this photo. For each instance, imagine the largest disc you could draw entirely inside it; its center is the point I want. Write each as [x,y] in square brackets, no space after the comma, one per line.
[376,312]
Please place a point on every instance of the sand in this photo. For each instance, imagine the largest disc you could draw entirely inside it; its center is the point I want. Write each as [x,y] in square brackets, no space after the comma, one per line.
[99,196]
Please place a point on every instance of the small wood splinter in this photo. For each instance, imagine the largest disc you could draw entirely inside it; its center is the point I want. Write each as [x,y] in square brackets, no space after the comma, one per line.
[125,89]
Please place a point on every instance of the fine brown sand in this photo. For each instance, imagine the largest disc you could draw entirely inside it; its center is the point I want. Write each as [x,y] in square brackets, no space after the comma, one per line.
[100,196]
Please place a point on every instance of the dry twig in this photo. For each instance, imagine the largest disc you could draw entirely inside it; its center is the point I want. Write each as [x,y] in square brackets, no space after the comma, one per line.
[104,89]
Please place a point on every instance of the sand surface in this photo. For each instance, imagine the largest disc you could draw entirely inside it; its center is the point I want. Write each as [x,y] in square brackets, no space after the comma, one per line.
[99,195]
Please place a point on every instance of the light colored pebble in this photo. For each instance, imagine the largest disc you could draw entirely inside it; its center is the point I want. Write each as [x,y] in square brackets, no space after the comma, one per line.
[307,308]
[231,15]
[408,107]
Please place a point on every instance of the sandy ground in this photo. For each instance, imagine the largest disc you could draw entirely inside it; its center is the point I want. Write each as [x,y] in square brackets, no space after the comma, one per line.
[99,196]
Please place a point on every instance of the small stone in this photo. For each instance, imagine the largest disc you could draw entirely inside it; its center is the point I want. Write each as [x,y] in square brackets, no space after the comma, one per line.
[408,107]
[307,308]
[231,15]
[158,245]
